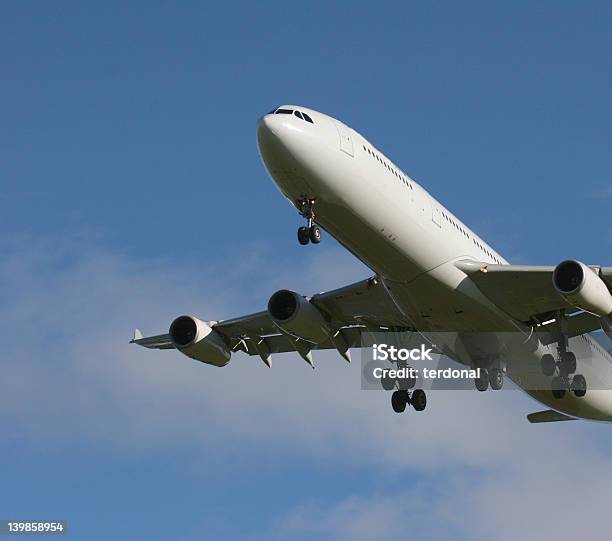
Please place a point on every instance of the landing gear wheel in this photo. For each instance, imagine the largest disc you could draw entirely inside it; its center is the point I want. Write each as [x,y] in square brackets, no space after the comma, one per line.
[303,235]
[579,385]
[399,399]
[406,383]
[496,379]
[418,400]
[315,234]
[558,387]
[482,383]
[387,383]
[568,363]
[548,364]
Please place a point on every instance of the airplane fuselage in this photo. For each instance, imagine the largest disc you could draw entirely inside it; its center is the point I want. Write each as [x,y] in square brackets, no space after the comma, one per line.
[411,241]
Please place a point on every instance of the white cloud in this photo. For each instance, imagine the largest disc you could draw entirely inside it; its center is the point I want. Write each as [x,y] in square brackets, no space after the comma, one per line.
[69,375]
[536,500]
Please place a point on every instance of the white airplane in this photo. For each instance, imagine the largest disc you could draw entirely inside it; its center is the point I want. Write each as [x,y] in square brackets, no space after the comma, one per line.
[432,273]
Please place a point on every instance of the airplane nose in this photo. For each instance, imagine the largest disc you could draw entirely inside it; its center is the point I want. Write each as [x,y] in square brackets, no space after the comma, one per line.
[271,133]
[285,136]
[270,124]
[265,131]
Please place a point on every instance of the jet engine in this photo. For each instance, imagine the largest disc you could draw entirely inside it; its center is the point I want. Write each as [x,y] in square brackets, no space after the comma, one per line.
[582,287]
[295,315]
[197,339]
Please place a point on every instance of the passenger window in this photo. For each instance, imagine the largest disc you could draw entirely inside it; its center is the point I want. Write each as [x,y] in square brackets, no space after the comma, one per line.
[298,114]
[307,118]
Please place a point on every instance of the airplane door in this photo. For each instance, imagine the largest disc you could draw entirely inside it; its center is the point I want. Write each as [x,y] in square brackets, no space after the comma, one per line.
[435,216]
[346,142]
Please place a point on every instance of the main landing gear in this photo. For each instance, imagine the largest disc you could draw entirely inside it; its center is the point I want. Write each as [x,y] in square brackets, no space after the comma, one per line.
[561,384]
[563,370]
[402,396]
[493,377]
[566,363]
[311,232]
[565,379]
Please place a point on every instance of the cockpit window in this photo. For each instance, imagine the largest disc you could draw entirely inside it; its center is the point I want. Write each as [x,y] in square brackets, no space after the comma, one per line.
[299,114]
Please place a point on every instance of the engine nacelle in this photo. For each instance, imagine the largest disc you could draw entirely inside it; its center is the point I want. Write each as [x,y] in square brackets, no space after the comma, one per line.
[295,315]
[582,287]
[196,339]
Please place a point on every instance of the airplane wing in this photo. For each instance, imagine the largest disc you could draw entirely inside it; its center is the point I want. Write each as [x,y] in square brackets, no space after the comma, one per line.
[352,310]
[160,341]
[527,293]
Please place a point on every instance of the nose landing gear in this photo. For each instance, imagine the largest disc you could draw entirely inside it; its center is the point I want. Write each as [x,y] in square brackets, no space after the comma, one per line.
[311,232]
[303,236]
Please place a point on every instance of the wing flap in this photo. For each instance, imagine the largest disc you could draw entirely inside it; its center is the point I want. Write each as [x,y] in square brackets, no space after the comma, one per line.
[526,292]
[364,303]
[521,291]
[259,324]
[574,325]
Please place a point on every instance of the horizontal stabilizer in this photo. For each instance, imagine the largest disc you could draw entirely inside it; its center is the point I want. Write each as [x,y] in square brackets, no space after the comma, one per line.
[548,416]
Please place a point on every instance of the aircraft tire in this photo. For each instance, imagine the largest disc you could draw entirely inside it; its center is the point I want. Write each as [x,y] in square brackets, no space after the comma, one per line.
[482,383]
[303,235]
[548,364]
[315,234]
[399,400]
[558,387]
[496,379]
[387,383]
[568,363]
[418,399]
[579,385]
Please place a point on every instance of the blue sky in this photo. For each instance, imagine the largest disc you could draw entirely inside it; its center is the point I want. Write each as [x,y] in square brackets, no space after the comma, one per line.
[132,191]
